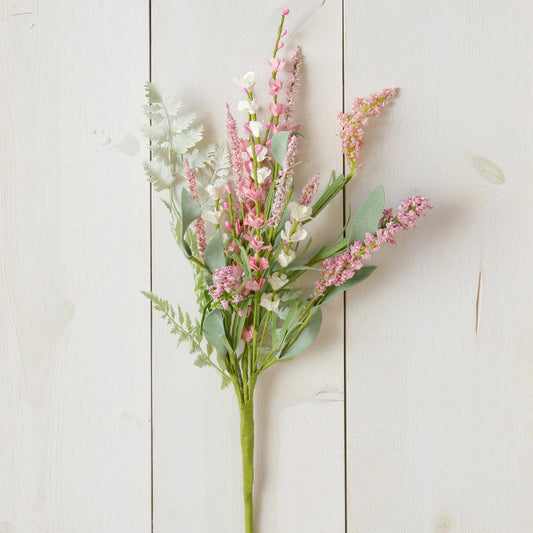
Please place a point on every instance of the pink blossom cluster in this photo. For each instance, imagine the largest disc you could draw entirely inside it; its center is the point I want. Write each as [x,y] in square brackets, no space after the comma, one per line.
[227,285]
[309,190]
[292,85]
[199,223]
[339,269]
[236,147]
[284,181]
[352,124]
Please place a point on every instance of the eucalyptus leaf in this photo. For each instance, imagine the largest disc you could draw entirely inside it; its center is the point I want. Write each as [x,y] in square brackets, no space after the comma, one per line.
[214,331]
[190,210]
[279,144]
[305,338]
[360,275]
[214,257]
[367,218]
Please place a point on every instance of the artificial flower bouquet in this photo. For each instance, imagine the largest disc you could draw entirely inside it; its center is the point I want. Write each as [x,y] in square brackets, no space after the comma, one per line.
[236,218]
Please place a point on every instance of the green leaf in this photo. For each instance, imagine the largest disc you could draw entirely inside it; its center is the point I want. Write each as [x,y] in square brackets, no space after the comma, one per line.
[190,210]
[297,267]
[214,257]
[214,331]
[367,218]
[279,144]
[359,276]
[305,338]
[226,380]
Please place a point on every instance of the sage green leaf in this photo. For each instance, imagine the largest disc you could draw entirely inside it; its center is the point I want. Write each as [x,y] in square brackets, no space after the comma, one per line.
[279,144]
[367,218]
[359,276]
[190,210]
[214,257]
[301,267]
[214,331]
[305,338]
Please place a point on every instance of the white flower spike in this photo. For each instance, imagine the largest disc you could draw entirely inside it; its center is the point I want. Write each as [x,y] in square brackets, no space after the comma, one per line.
[284,258]
[299,213]
[298,235]
[247,81]
[250,106]
[256,127]
[277,280]
[269,302]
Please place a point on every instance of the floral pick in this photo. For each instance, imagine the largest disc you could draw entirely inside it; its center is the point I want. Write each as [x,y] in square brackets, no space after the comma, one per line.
[234,217]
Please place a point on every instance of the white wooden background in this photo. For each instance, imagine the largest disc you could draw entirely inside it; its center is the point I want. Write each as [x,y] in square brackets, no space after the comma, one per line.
[106,427]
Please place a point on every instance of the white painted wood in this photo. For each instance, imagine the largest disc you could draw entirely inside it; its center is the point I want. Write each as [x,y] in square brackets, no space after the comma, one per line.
[198,48]
[440,408]
[74,240]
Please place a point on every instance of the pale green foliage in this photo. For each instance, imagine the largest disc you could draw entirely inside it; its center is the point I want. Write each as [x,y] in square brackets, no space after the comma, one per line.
[173,139]
[187,330]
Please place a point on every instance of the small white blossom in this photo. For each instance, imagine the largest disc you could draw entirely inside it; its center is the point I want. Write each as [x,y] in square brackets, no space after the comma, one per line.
[293,236]
[260,156]
[270,303]
[277,280]
[256,127]
[216,190]
[251,106]
[262,174]
[214,216]
[299,213]
[247,80]
[284,258]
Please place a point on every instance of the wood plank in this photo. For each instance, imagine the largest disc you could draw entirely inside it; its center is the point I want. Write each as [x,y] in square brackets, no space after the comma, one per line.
[197,51]
[74,330]
[440,406]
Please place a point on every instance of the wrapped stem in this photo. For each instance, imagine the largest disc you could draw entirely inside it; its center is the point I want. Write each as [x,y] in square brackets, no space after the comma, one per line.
[247,445]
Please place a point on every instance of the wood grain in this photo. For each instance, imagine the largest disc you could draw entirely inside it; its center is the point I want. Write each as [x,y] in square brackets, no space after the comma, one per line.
[74,331]
[438,341]
[439,365]
[197,51]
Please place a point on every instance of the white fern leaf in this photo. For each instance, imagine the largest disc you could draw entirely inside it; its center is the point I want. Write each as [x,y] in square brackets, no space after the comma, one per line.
[153,93]
[181,123]
[157,132]
[222,162]
[159,175]
[188,139]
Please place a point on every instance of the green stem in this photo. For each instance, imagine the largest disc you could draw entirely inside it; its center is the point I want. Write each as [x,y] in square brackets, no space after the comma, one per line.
[247,444]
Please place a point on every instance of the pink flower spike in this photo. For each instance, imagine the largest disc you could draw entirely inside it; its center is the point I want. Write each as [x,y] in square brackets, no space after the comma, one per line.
[248,333]
[285,12]
[228,225]
[275,86]
[253,285]
[256,244]
[239,226]
[276,64]
[258,263]
[283,33]
[280,46]
[255,221]
[276,109]
[252,193]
